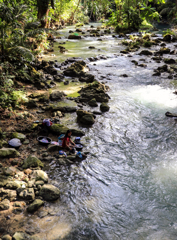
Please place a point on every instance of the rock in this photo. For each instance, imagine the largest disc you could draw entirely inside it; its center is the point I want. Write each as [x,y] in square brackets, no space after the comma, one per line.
[145,52]
[162,51]
[31,104]
[52,148]
[18,135]
[49,192]
[167,38]
[76,69]
[39,175]
[26,142]
[4,205]
[88,78]
[74,37]
[169,61]
[35,205]
[93,103]
[9,171]
[168,114]
[27,194]
[104,107]
[58,129]
[21,236]
[7,237]
[9,194]
[85,117]
[40,182]
[3,180]
[77,132]
[14,184]
[32,161]
[57,95]
[9,152]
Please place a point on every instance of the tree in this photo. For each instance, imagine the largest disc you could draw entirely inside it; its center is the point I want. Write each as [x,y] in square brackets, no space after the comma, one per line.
[43,11]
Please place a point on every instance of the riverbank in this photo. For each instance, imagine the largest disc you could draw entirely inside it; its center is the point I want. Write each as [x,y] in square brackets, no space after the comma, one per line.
[84,101]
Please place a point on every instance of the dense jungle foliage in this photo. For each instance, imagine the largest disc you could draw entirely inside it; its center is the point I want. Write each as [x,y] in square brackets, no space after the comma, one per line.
[26,26]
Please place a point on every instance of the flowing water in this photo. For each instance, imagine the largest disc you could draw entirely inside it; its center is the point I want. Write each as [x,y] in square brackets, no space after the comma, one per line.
[127,187]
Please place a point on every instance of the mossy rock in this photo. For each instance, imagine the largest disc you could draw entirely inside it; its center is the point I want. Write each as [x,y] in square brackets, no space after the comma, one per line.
[104,107]
[93,103]
[58,129]
[9,152]
[18,135]
[32,161]
[34,206]
[169,61]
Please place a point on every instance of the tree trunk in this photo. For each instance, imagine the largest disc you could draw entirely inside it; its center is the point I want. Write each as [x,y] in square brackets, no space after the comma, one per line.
[43,11]
[72,14]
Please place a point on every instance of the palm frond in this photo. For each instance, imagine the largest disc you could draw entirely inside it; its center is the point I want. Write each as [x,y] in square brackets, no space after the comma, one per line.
[24,52]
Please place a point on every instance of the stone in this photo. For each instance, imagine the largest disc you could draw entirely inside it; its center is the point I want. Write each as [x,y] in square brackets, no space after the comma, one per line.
[20,136]
[9,194]
[57,95]
[3,180]
[77,132]
[104,107]
[14,184]
[26,142]
[167,38]
[169,61]
[35,205]
[9,171]
[93,103]
[4,205]
[88,78]
[145,52]
[76,69]
[27,194]
[58,129]
[21,236]
[49,192]
[9,152]
[52,148]
[7,237]
[85,117]
[40,182]
[32,161]
[74,37]
[39,175]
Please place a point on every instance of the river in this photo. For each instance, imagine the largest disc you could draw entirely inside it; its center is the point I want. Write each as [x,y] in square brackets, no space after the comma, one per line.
[127,187]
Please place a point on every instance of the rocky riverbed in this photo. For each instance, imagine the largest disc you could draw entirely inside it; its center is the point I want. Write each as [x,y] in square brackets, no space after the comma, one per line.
[57,91]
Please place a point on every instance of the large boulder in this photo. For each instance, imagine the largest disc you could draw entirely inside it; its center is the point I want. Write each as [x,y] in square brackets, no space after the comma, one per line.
[8,152]
[27,194]
[4,205]
[34,206]
[85,117]
[49,192]
[94,90]
[40,175]
[7,237]
[32,161]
